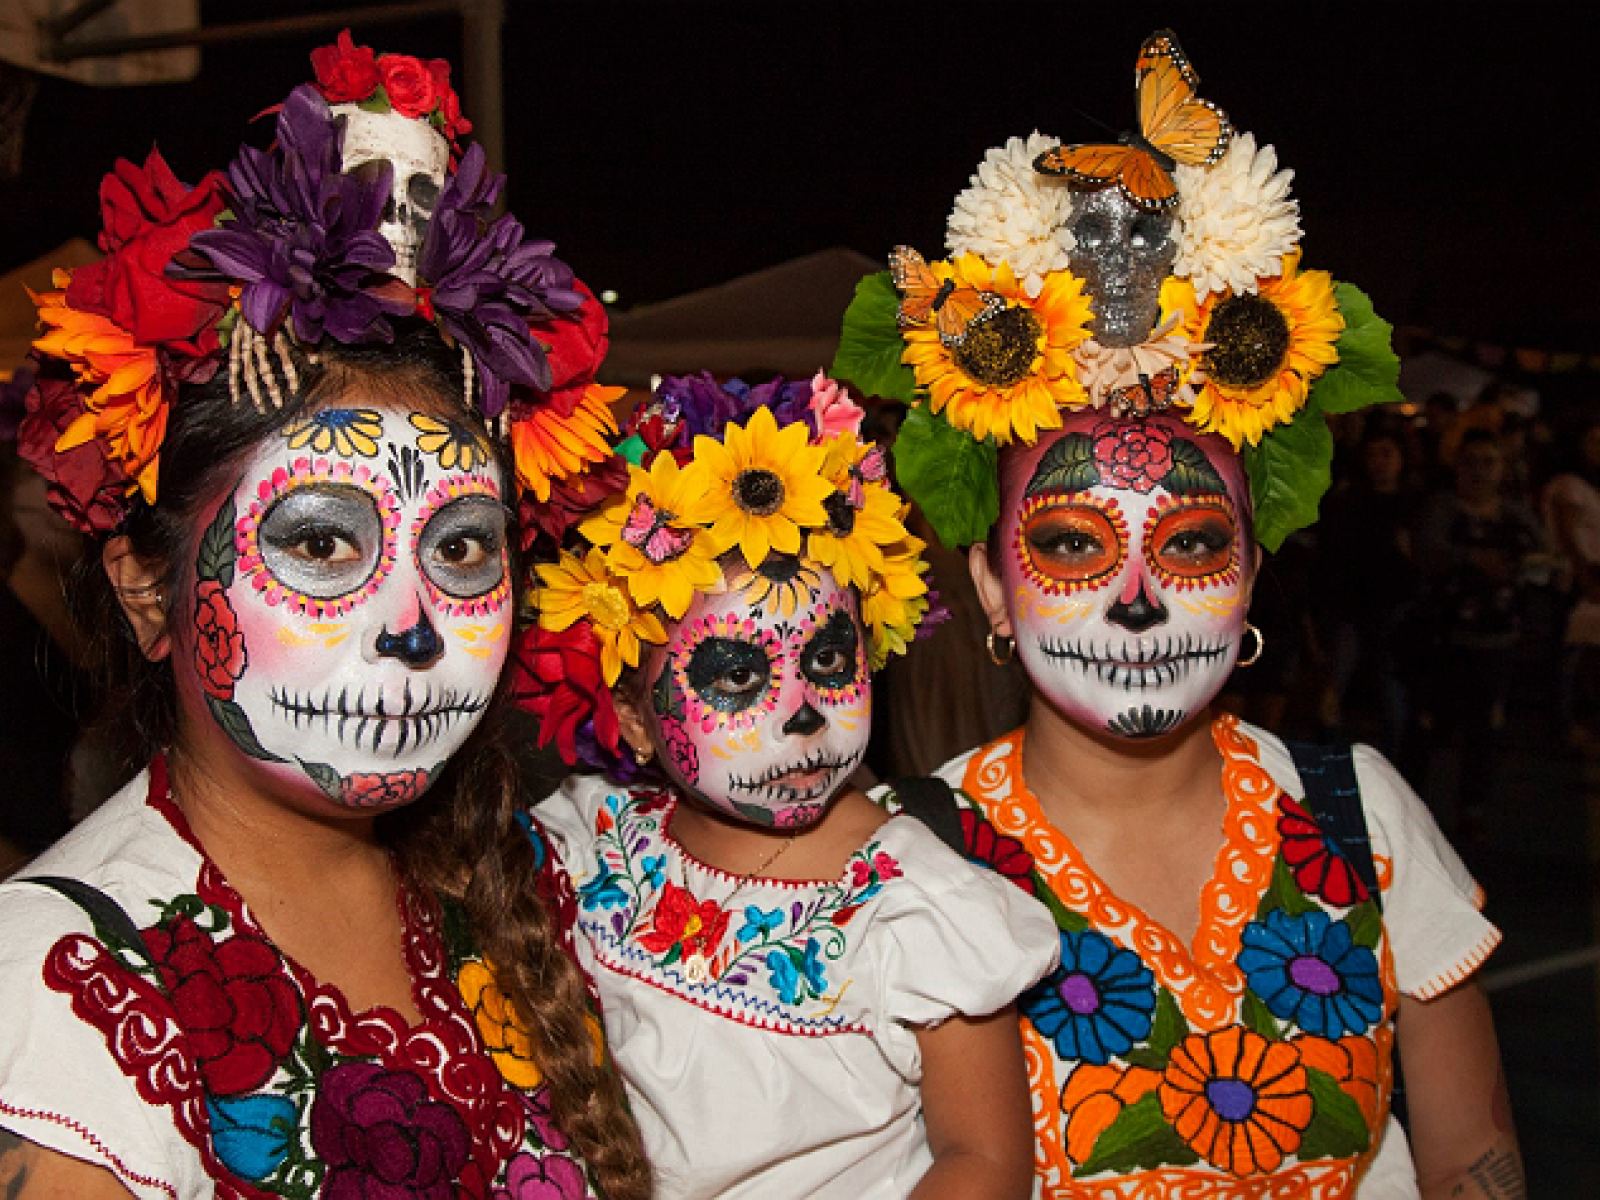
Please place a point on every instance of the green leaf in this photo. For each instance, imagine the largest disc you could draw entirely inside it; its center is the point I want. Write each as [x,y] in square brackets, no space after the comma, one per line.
[1066,919]
[1366,925]
[1168,1028]
[633,448]
[1192,472]
[237,726]
[216,557]
[378,102]
[952,477]
[325,777]
[870,344]
[1144,1056]
[1337,1129]
[1289,472]
[1284,893]
[1138,1139]
[1258,1017]
[1067,466]
[1368,370]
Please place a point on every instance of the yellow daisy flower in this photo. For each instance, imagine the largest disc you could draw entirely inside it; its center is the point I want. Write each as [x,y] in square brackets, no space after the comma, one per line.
[894,603]
[547,446]
[455,446]
[573,589]
[1267,349]
[758,487]
[347,432]
[663,559]
[779,585]
[1012,372]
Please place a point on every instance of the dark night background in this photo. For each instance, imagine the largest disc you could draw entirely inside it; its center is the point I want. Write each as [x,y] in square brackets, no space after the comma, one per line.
[1442,155]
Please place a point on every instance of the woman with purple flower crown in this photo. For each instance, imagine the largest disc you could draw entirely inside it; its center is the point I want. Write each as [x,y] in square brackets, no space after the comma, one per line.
[308,949]
[1119,385]
[807,997]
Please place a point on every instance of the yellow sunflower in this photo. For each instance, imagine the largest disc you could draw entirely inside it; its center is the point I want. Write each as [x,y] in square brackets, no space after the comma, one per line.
[1267,349]
[1012,372]
[663,559]
[894,603]
[573,589]
[758,487]
[548,446]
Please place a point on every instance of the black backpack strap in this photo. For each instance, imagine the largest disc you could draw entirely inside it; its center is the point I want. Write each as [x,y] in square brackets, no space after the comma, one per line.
[111,920]
[933,802]
[1333,798]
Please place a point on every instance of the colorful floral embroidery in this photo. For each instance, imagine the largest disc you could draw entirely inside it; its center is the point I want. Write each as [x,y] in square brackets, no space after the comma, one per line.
[1098,1003]
[1320,867]
[1308,970]
[1239,1100]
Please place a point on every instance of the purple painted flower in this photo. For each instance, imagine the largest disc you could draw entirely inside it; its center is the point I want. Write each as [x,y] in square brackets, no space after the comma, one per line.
[484,281]
[551,1177]
[303,237]
[382,1135]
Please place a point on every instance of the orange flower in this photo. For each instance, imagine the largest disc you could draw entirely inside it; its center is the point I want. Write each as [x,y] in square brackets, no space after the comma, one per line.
[1239,1100]
[504,1036]
[124,399]
[1353,1063]
[1095,1096]
[547,446]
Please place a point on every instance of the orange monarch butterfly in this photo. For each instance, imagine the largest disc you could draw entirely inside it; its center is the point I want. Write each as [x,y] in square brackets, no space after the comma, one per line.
[953,309]
[1175,126]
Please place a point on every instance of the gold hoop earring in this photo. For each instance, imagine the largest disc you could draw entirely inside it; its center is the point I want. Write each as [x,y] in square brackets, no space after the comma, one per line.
[642,756]
[1261,645]
[1002,648]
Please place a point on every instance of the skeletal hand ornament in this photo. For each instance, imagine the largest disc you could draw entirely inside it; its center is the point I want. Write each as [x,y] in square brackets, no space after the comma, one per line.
[419,157]
[1123,254]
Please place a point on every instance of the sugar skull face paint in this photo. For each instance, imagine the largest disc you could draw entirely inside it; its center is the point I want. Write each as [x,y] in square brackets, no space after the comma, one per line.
[1126,562]
[760,700]
[351,603]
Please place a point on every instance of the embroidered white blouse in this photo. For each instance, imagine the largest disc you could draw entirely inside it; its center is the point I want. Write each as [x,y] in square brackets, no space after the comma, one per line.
[766,1028]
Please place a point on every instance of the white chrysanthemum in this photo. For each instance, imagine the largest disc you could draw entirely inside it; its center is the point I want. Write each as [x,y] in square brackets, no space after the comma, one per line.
[1011,214]
[1237,219]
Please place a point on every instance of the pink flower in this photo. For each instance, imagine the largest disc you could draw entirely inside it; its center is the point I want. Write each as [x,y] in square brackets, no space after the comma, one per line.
[832,410]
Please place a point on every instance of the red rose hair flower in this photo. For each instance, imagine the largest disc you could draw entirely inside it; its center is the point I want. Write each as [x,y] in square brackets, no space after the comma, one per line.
[346,73]
[408,84]
[557,677]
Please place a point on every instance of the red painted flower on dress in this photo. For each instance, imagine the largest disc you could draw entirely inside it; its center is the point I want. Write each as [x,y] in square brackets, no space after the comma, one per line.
[680,921]
[1132,454]
[219,651]
[239,1012]
[1320,868]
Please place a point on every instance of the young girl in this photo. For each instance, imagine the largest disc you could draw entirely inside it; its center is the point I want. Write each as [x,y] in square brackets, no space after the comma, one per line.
[807,998]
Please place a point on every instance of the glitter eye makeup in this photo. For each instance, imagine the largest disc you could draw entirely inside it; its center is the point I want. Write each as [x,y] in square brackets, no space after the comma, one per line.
[1066,544]
[729,675]
[1192,541]
[832,659]
[460,539]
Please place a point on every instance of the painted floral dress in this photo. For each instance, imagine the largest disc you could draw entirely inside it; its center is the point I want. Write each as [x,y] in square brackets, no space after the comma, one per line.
[184,1053]
[1256,1061]
[767,1029]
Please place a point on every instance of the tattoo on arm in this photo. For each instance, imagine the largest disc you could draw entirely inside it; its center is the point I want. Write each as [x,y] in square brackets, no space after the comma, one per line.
[15,1153]
[1496,1175]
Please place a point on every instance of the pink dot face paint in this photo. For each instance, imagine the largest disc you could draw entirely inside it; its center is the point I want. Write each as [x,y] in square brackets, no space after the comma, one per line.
[1124,561]
[351,609]
[763,709]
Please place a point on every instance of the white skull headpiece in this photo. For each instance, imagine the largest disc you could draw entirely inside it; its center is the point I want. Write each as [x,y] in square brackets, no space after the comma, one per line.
[419,156]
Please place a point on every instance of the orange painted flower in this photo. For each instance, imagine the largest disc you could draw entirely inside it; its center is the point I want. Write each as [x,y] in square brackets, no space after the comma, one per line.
[547,446]
[1353,1063]
[1095,1097]
[1239,1100]
[504,1035]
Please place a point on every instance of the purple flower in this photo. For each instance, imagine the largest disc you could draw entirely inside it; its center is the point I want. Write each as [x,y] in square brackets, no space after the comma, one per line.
[938,613]
[382,1136]
[552,1177]
[303,237]
[705,406]
[486,281]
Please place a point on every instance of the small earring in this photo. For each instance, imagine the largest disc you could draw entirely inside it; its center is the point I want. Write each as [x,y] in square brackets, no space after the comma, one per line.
[1261,645]
[642,756]
[1002,647]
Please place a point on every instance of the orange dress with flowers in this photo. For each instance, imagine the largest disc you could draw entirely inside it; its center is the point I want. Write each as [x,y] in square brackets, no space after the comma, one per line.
[1256,1061]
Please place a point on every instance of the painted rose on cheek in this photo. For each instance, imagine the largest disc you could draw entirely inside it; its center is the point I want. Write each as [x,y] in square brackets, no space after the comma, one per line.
[220,656]
[761,701]
[1125,561]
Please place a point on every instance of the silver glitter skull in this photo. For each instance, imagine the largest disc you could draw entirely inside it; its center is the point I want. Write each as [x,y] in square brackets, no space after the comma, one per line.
[1122,253]
[419,157]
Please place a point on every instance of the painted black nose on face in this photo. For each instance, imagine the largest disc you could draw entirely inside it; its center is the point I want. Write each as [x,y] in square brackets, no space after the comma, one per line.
[805,721]
[416,647]
[1138,614]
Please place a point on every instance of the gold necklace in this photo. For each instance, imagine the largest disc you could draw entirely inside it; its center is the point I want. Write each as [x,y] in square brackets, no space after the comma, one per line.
[696,967]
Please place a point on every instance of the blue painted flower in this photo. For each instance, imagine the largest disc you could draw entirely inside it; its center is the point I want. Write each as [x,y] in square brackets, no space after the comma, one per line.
[603,891]
[653,869]
[798,976]
[1306,969]
[758,922]
[251,1133]
[1100,1002]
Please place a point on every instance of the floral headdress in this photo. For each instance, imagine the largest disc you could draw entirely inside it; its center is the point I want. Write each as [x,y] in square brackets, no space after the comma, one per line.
[763,481]
[1248,345]
[359,213]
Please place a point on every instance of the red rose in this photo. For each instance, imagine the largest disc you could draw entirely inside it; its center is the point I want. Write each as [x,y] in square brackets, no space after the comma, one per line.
[239,1012]
[452,123]
[680,920]
[575,343]
[557,677]
[408,83]
[367,789]
[85,487]
[148,217]
[219,653]
[1132,454]
[381,1135]
[571,500]
[346,72]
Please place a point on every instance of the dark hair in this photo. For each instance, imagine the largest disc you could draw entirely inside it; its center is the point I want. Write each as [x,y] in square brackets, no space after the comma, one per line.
[463,839]
[1478,437]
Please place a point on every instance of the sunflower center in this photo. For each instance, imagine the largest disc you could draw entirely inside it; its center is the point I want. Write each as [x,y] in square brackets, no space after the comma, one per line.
[758,492]
[606,604]
[1079,994]
[1000,350]
[779,568]
[841,514]
[1231,1099]
[1251,337]
[1313,975]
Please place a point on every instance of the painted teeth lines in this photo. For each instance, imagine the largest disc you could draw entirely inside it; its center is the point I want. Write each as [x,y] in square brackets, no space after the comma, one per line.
[420,721]
[767,784]
[1147,666]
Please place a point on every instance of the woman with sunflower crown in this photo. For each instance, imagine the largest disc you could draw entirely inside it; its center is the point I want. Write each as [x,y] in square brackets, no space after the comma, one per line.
[807,997]
[1246,932]
[307,949]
